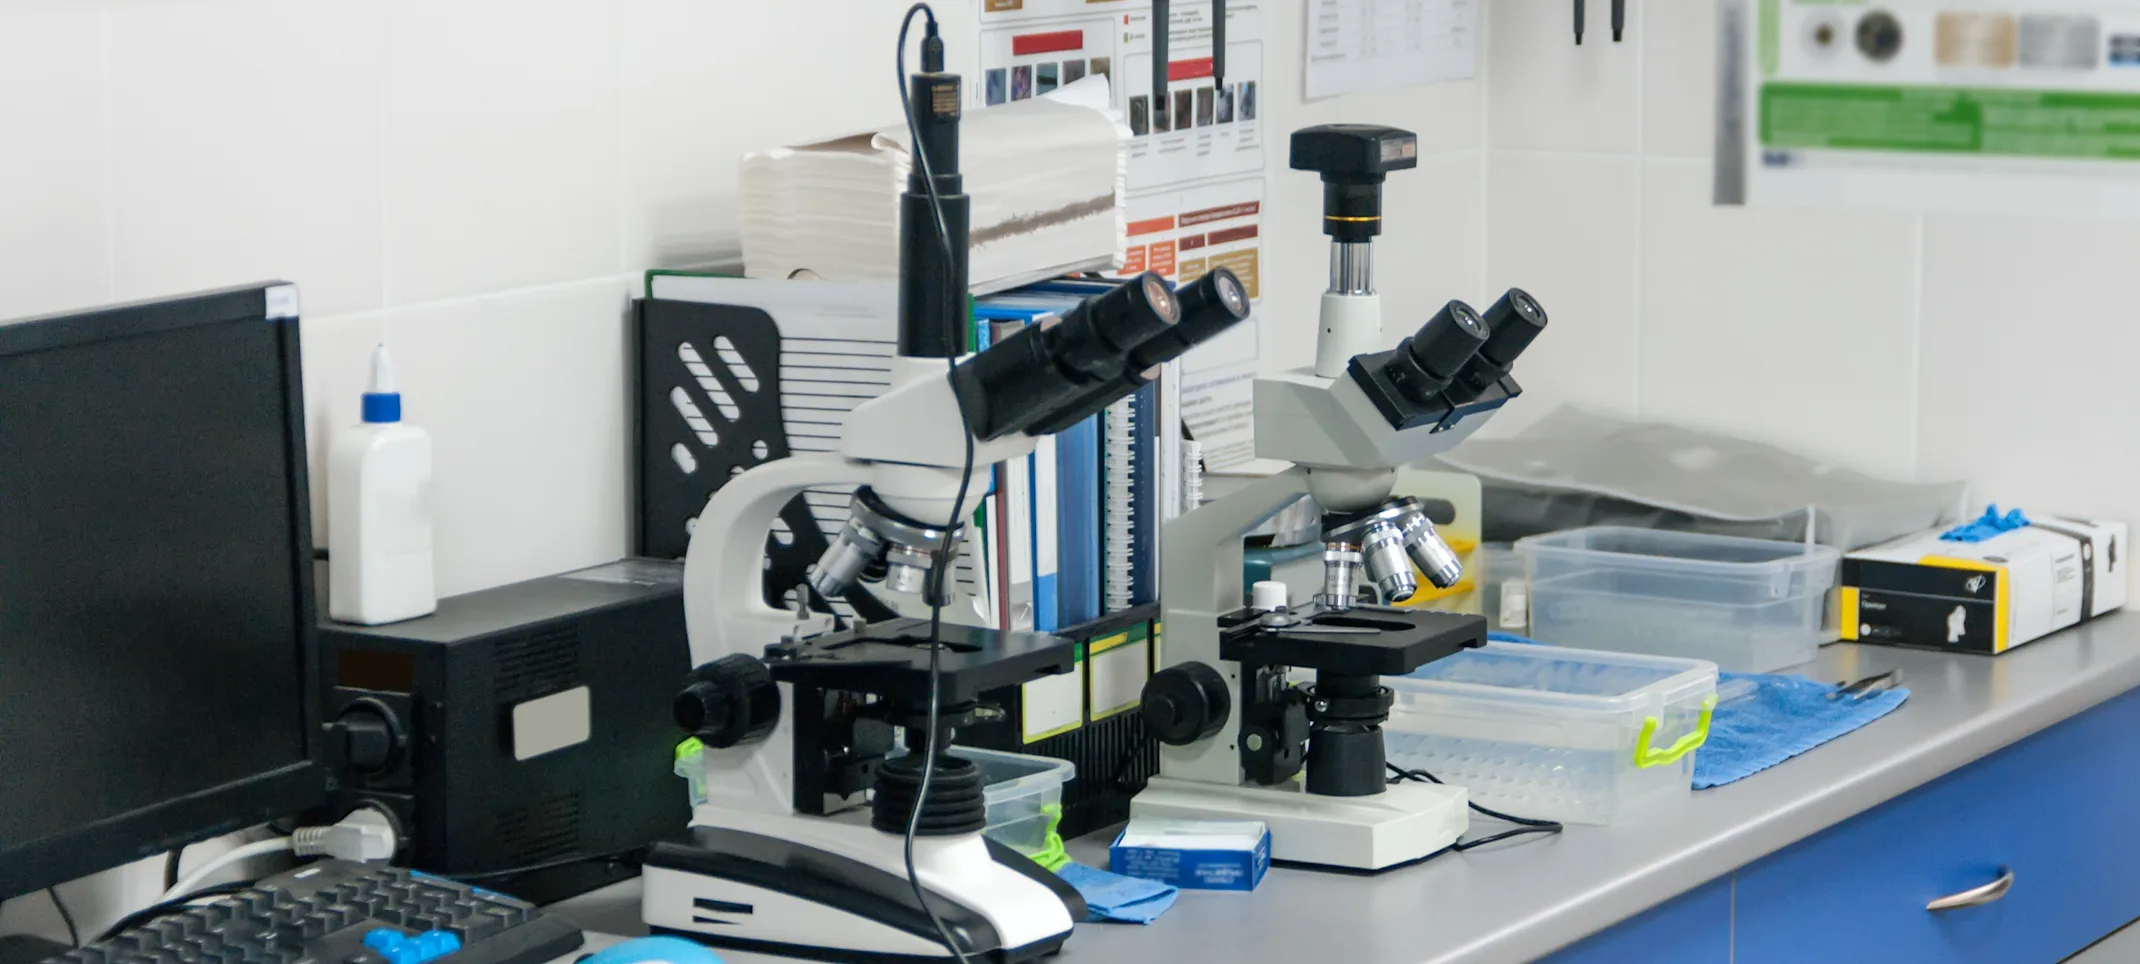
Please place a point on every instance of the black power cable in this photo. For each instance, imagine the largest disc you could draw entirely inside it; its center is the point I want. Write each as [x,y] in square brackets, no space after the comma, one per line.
[941,572]
[73,933]
[1524,825]
[156,910]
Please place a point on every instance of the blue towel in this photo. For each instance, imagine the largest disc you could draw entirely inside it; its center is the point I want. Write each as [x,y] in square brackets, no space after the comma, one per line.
[1785,716]
[1113,897]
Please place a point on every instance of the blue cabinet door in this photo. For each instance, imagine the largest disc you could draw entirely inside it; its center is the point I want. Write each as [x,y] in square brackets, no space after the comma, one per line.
[1694,928]
[2057,809]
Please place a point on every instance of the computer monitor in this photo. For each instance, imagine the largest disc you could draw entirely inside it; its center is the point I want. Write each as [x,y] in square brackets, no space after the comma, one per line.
[157,668]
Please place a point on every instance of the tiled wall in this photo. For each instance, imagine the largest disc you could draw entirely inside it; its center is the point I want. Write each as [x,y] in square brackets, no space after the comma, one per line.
[481,181]
[1998,350]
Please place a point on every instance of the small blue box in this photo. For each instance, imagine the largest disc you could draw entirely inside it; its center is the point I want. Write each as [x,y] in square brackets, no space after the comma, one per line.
[1194,854]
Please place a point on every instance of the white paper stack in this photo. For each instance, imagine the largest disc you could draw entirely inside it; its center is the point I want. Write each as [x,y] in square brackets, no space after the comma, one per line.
[1047,177]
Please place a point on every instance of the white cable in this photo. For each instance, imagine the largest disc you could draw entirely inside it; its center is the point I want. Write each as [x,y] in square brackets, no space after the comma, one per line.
[192,881]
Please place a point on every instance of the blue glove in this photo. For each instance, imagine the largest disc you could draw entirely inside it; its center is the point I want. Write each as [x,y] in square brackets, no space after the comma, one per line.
[1113,897]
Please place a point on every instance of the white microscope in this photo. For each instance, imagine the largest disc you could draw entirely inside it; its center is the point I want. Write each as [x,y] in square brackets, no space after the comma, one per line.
[1239,733]
[800,847]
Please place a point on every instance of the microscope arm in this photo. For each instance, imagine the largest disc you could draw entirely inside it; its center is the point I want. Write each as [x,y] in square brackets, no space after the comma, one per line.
[724,569]
[1201,564]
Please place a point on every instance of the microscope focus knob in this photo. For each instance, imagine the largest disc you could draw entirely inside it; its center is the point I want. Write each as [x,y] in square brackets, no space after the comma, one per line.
[1186,703]
[728,702]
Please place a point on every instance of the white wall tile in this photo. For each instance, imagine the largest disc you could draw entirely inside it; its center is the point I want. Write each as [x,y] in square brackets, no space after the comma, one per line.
[502,163]
[1546,93]
[1563,228]
[1791,326]
[524,396]
[690,115]
[1429,251]
[2030,363]
[1446,116]
[337,369]
[1679,41]
[247,147]
[1296,255]
[54,246]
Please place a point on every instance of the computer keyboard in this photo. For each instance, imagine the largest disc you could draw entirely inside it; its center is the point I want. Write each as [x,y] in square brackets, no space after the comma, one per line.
[332,912]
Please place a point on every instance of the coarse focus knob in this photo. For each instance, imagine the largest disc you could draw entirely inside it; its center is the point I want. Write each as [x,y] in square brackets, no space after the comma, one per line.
[730,701]
[1186,703]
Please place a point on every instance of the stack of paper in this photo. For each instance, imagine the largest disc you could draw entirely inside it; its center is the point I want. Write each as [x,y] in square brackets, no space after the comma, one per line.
[1046,176]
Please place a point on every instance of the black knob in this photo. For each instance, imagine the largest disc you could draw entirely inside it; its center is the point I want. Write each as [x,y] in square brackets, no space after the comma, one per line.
[370,737]
[1186,703]
[730,701]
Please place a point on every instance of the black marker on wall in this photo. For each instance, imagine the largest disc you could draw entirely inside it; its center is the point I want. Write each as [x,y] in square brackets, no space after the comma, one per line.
[1218,46]
[1162,21]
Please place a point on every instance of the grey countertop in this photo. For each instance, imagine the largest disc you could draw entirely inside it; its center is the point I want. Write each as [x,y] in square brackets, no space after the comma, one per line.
[1527,898]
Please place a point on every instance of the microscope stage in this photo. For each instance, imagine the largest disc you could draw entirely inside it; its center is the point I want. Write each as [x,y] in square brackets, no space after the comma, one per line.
[1397,641]
[891,659]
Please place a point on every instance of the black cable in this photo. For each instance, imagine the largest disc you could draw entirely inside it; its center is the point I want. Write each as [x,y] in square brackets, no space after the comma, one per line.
[74,933]
[170,867]
[1524,825]
[161,908]
[630,856]
[941,573]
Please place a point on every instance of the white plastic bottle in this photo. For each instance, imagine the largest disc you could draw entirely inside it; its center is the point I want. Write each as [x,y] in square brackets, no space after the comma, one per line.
[379,512]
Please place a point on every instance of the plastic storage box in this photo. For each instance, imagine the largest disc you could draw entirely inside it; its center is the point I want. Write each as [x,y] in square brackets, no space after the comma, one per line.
[1024,794]
[1573,735]
[1025,801]
[1748,605]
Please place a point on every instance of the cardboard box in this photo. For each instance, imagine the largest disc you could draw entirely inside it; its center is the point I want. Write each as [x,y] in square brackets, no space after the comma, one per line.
[1194,854]
[1984,597]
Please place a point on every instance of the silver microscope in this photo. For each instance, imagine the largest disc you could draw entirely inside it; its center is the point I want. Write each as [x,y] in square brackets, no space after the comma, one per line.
[1242,740]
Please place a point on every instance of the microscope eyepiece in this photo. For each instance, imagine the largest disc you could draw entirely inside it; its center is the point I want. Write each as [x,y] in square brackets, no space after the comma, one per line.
[1036,377]
[1215,302]
[1513,322]
[1426,363]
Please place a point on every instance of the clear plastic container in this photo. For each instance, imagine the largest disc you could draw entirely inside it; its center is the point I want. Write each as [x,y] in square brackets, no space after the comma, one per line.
[1024,794]
[1748,605]
[1551,733]
[1025,801]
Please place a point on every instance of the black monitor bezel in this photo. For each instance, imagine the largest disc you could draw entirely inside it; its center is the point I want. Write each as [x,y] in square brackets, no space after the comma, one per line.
[27,866]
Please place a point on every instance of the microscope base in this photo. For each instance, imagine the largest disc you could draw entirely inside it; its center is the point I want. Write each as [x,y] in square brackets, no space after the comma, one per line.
[834,889]
[1402,824]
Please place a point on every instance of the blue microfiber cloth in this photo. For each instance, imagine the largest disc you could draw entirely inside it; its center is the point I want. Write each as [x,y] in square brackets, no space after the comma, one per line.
[1782,718]
[1991,523]
[1113,897]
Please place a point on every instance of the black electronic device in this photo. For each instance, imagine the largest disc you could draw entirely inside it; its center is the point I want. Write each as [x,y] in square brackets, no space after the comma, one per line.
[157,657]
[335,912]
[1353,159]
[519,725]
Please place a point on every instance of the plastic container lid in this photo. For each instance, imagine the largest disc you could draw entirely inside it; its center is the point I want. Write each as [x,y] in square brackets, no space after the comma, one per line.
[1591,680]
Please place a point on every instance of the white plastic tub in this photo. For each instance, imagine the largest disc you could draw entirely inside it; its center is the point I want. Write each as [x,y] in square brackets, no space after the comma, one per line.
[1024,794]
[1748,605]
[1551,733]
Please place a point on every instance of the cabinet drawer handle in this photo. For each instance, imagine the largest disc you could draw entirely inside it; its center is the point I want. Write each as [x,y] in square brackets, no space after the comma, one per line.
[1977,896]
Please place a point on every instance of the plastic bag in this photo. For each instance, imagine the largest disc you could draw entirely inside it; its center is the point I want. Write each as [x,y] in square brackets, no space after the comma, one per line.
[1575,468]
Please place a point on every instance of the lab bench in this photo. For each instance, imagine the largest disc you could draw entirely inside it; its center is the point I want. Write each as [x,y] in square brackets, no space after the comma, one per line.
[2023,763]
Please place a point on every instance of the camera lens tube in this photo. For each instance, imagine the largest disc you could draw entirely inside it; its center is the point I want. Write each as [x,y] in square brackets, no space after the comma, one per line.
[1430,553]
[1387,564]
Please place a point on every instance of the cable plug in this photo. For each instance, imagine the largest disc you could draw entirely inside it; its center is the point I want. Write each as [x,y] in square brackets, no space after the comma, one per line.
[932,52]
[365,835]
